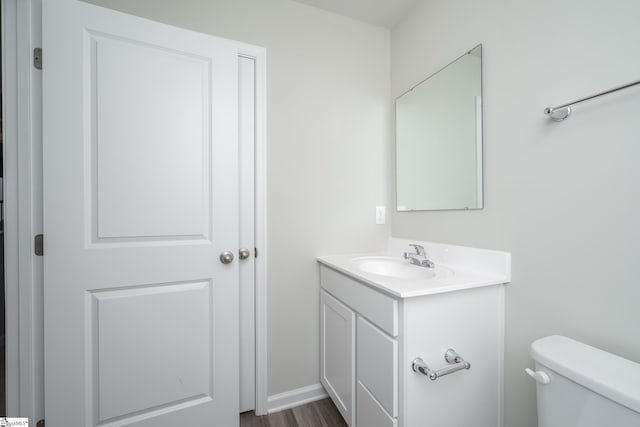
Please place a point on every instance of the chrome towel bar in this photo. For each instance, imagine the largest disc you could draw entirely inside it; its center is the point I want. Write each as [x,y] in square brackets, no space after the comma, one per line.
[562,112]
[456,363]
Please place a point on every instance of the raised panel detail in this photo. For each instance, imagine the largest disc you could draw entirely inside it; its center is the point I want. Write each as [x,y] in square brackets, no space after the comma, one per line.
[337,370]
[150,149]
[377,364]
[150,348]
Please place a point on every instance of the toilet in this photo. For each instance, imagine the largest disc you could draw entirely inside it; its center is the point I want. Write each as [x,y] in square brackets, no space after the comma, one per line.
[582,386]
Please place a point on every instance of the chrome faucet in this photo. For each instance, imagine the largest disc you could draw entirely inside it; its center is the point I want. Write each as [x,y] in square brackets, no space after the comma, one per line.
[419,257]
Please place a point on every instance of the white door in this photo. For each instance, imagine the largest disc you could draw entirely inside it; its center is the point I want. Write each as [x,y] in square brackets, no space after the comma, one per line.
[140,199]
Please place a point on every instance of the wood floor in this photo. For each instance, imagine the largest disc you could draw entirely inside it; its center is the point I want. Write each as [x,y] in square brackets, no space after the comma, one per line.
[321,413]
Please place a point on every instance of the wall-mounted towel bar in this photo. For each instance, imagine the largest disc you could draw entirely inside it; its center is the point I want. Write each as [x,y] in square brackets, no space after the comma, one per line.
[456,363]
[561,112]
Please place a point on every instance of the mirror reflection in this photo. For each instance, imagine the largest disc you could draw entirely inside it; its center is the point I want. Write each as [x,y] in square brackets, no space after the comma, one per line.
[439,139]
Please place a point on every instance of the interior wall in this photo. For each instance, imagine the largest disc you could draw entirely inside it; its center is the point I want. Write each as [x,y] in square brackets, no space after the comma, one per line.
[561,197]
[328,140]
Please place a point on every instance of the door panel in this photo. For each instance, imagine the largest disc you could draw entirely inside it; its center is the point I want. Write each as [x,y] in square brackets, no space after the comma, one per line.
[132,122]
[140,198]
[139,369]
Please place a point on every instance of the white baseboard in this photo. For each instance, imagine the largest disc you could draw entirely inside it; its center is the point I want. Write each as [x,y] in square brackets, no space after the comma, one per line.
[297,397]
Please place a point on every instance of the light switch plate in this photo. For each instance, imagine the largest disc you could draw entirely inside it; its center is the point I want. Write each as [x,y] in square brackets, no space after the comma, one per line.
[380,215]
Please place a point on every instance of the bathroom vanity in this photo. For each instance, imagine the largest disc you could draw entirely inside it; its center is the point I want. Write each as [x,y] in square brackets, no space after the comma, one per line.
[379,314]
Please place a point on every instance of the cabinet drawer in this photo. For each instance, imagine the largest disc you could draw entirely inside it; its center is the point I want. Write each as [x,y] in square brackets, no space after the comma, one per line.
[369,411]
[377,364]
[379,308]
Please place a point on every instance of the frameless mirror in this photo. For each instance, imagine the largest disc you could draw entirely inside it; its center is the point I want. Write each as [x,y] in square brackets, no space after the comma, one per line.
[439,139]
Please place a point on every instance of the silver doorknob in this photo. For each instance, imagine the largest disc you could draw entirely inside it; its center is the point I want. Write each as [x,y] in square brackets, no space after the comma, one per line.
[226,257]
[244,253]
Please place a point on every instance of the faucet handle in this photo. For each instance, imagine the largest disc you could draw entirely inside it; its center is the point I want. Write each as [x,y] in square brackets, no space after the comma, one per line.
[418,248]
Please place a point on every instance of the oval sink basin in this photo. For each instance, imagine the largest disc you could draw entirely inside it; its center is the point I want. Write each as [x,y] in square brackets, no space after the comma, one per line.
[395,267]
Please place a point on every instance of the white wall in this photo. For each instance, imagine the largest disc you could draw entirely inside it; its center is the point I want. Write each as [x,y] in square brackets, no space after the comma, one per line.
[328,141]
[562,197]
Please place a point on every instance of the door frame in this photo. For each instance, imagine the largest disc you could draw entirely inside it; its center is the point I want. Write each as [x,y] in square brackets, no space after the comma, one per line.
[22,118]
[22,144]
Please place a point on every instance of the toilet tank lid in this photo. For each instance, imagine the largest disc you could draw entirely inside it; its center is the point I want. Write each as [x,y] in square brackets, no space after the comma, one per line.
[611,376]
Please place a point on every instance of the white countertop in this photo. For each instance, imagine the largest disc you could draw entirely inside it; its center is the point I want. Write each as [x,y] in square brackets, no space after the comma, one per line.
[469,268]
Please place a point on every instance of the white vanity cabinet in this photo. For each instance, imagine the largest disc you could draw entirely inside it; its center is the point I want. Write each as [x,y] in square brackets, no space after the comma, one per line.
[370,337]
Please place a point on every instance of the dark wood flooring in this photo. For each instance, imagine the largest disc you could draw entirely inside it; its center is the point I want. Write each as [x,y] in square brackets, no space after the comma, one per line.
[321,413]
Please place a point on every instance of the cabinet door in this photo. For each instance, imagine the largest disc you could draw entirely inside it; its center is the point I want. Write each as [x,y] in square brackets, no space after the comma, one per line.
[337,349]
[369,411]
[378,365]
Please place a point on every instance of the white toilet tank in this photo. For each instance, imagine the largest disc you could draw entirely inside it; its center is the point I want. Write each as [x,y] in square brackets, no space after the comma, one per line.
[582,386]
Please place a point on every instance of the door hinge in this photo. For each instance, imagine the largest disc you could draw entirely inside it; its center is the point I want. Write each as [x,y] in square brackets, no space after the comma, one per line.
[37,58]
[40,423]
[38,244]
[255,252]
